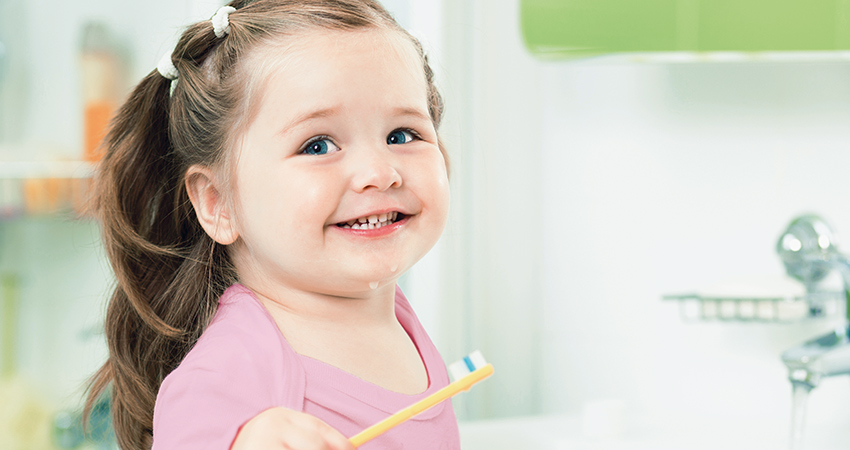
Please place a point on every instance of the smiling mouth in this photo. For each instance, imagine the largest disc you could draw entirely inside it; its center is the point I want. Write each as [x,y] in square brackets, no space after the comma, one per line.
[372,222]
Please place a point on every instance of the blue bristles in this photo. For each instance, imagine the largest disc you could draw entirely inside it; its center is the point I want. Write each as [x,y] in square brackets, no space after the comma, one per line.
[469,364]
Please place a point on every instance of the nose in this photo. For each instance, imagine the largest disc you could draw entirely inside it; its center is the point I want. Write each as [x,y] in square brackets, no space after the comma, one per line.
[375,168]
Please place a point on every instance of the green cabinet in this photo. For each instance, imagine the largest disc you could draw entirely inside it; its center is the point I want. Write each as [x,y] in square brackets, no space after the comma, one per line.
[564,28]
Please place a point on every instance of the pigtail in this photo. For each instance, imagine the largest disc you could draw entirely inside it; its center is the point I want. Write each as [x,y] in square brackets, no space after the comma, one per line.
[169,272]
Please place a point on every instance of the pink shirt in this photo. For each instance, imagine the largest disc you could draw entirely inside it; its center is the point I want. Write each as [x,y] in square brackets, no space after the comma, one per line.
[242,365]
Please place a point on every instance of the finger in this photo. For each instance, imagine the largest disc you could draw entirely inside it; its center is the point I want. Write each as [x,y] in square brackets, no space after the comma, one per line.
[308,432]
[339,442]
[301,439]
[333,439]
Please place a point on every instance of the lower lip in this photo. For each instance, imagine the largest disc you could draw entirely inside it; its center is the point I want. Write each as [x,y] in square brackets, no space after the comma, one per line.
[375,232]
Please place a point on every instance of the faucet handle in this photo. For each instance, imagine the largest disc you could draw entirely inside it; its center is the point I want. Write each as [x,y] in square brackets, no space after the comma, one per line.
[808,249]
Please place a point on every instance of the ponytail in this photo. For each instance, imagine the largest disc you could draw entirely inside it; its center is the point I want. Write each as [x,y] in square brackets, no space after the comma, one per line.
[169,272]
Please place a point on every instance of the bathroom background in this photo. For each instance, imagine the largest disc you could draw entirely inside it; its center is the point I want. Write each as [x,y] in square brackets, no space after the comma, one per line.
[583,192]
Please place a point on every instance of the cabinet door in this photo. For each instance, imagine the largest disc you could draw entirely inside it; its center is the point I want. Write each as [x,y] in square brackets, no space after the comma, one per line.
[587,27]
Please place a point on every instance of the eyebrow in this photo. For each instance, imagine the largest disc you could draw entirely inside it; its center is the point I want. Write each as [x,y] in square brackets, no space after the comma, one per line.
[326,112]
[313,115]
[412,112]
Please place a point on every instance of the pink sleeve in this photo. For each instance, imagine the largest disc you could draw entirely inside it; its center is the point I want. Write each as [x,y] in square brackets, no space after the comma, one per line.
[234,372]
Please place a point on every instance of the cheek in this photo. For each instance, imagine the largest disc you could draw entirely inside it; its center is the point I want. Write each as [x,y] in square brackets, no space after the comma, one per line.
[263,205]
[289,199]
[443,201]
[434,184]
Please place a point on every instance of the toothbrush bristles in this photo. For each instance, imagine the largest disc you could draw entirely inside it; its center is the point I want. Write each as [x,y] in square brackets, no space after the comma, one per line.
[470,363]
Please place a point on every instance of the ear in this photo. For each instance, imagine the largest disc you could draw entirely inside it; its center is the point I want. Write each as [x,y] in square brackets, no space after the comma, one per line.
[211,206]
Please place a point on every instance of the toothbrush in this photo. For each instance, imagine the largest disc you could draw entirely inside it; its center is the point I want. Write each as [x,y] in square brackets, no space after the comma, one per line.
[466,372]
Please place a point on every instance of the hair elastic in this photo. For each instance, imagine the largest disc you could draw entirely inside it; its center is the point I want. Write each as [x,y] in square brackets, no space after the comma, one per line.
[166,67]
[221,25]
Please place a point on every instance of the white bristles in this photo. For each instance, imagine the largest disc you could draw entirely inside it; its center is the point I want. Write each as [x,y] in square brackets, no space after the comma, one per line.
[467,365]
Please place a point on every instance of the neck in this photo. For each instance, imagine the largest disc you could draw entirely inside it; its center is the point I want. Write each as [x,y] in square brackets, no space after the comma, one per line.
[368,308]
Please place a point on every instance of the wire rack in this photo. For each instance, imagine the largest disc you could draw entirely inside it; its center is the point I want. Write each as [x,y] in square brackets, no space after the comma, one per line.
[696,307]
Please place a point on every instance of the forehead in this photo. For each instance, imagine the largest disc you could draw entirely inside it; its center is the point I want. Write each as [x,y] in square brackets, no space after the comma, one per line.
[325,62]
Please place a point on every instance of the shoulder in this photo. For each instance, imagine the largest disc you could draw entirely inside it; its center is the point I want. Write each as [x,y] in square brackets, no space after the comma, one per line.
[242,332]
[239,367]
[241,340]
[242,344]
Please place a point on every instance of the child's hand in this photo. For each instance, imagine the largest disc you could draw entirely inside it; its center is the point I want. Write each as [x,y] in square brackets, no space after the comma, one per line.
[281,428]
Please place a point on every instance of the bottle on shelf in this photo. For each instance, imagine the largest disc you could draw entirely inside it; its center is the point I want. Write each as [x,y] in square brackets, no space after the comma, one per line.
[101,75]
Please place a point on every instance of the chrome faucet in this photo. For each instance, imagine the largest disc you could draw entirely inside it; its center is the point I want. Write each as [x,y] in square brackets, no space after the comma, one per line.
[808,251]
[823,356]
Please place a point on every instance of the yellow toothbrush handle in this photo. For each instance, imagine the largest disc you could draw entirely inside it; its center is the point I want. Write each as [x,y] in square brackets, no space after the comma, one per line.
[421,406]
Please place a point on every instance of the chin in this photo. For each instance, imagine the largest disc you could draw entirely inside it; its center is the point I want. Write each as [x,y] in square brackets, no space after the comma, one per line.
[377,279]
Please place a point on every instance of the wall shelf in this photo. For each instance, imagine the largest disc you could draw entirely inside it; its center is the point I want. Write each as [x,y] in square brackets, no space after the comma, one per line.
[24,170]
[44,187]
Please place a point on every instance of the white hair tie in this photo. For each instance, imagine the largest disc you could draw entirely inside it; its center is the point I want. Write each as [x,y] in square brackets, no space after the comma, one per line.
[221,25]
[166,67]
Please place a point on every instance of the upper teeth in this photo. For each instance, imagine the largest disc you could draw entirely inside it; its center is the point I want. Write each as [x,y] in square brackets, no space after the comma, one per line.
[371,222]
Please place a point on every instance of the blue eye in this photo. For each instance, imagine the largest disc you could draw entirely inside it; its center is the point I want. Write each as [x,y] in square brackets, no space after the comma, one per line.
[399,137]
[321,146]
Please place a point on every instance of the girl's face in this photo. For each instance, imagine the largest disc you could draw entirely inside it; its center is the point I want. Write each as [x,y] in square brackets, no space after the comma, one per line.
[341,136]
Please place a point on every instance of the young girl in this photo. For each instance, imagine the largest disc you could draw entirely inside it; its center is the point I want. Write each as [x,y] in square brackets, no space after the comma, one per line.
[262,192]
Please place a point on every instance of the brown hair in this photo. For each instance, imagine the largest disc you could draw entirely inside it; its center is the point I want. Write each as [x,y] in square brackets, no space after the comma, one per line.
[169,272]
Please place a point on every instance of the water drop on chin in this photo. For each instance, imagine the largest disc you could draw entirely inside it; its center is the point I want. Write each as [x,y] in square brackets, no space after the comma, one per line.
[373,285]
[393,269]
